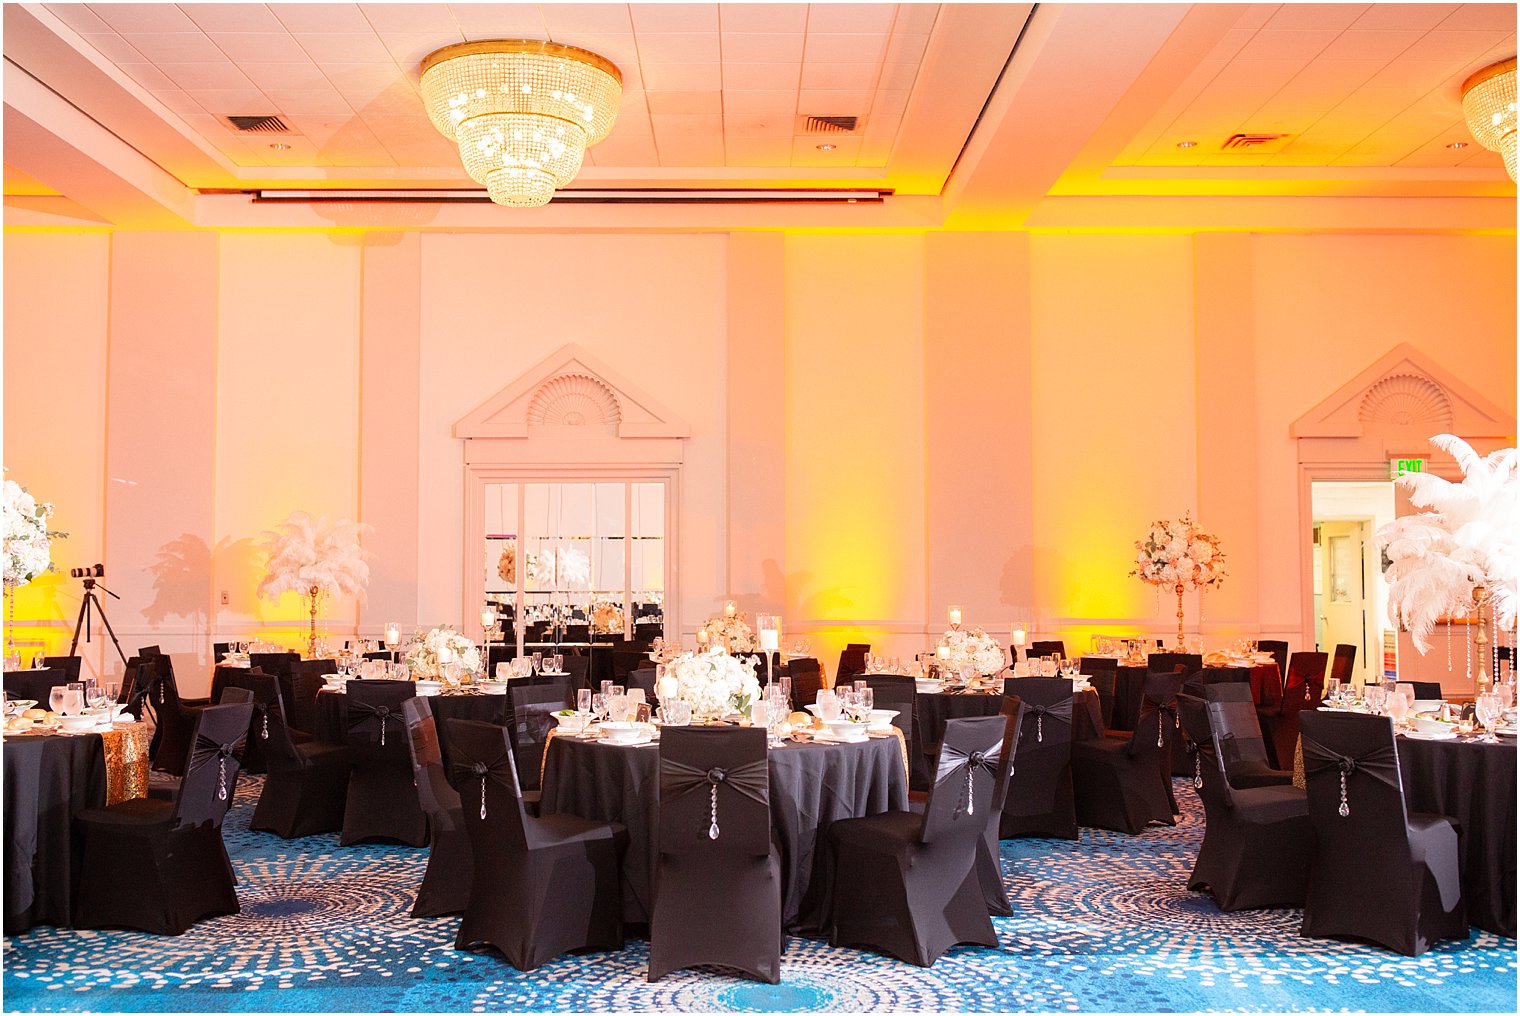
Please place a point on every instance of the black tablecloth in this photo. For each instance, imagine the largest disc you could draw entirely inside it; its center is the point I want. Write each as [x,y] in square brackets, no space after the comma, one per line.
[1129,689]
[332,715]
[812,785]
[48,780]
[930,714]
[1474,784]
[33,684]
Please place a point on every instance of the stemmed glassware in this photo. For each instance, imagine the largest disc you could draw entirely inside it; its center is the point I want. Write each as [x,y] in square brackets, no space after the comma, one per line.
[828,703]
[55,698]
[538,663]
[73,699]
[598,710]
[1488,708]
[583,706]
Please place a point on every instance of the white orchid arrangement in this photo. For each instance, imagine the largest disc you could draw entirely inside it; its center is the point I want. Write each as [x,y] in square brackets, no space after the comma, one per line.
[307,553]
[714,682]
[1177,552]
[1468,537]
[423,651]
[730,633]
[28,540]
[971,649]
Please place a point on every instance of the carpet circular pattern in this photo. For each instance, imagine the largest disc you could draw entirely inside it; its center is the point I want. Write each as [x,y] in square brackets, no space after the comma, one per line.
[1103,924]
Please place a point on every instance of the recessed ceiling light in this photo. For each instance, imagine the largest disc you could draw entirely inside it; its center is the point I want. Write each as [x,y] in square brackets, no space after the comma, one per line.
[1457,144]
[1187,144]
[825,147]
[279,146]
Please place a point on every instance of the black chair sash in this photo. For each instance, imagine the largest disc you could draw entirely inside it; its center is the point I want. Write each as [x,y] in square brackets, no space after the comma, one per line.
[1381,763]
[1060,712]
[500,770]
[953,761]
[361,712]
[1148,708]
[206,749]
[752,779]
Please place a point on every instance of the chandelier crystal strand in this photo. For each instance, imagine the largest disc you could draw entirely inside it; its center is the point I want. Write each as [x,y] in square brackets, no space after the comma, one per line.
[1488,105]
[523,112]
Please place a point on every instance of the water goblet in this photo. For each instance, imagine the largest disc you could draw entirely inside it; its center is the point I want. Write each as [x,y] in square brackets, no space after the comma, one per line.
[1398,708]
[559,663]
[538,663]
[1333,690]
[55,698]
[1488,708]
[73,698]
[598,706]
[606,687]
[828,703]
[679,713]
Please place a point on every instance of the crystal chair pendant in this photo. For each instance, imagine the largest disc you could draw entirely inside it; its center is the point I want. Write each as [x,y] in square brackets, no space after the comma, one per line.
[1345,808]
[712,830]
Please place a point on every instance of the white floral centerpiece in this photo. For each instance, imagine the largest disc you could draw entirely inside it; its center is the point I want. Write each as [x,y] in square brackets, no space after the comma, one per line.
[733,634]
[1179,554]
[971,649]
[1461,552]
[714,683]
[28,540]
[422,653]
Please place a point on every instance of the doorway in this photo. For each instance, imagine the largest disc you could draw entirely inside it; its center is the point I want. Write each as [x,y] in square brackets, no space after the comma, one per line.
[1350,595]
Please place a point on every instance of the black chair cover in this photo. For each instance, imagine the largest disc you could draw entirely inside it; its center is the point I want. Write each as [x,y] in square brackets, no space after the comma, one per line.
[157,689]
[382,803]
[68,664]
[534,704]
[159,866]
[1303,688]
[715,844]
[219,651]
[1238,732]
[892,691]
[1103,675]
[541,886]
[852,661]
[306,786]
[1380,873]
[643,677]
[445,887]
[1165,663]
[265,689]
[807,679]
[1047,647]
[1257,843]
[1125,785]
[905,882]
[1279,650]
[1039,800]
[34,684]
[1344,664]
[1430,691]
[304,678]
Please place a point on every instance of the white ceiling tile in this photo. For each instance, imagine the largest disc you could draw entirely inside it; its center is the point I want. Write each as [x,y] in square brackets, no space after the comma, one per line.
[906,48]
[285,75]
[1255,15]
[874,152]
[699,126]
[622,50]
[1257,74]
[308,101]
[632,123]
[1230,44]
[307,19]
[209,125]
[1364,45]
[1323,16]
[1488,15]
[409,50]
[674,17]
[761,76]
[897,76]
[805,151]
[690,151]
[260,47]
[782,101]
[916,18]
[830,102]
[1229,99]
[1421,17]
[890,102]
[565,20]
[415,18]
[1443,45]
[837,17]
[193,77]
[684,102]
[760,152]
[357,47]
[626,152]
[1285,45]
[501,21]
[176,100]
[143,18]
[762,48]
[116,49]
[79,17]
[677,77]
[758,125]
[233,101]
[176,47]
[362,79]
[849,75]
[400,99]
[670,49]
[214,18]
[741,17]
[844,48]
[147,75]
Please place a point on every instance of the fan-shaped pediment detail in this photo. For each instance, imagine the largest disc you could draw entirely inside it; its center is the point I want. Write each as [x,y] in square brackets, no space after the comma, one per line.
[574,400]
[1407,400]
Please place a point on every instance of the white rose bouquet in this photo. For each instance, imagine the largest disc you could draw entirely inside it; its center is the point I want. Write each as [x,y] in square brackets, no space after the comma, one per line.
[974,649]
[422,655]
[28,541]
[714,683]
[732,632]
[1179,553]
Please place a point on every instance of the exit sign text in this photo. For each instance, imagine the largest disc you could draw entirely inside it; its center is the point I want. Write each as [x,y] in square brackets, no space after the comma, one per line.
[1399,467]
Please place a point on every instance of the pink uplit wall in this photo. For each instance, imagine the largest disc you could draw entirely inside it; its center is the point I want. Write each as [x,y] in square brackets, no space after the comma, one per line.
[879,424]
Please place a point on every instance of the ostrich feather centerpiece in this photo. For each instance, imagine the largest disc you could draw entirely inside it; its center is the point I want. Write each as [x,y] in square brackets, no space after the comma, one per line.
[1463,551]
[310,556]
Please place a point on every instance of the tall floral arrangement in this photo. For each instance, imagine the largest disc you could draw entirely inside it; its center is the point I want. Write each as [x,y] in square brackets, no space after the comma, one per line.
[422,653]
[311,556]
[714,682]
[28,540]
[973,649]
[1179,554]
[731,633]
[1466,540]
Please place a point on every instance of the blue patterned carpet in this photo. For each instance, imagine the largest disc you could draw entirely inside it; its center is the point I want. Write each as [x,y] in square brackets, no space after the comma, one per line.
[1103,925]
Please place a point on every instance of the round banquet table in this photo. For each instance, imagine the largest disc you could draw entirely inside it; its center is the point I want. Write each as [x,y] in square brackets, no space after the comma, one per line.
[812,785]
[332,715]
[934,709]
[1473,783]
[50,778]
[34,684]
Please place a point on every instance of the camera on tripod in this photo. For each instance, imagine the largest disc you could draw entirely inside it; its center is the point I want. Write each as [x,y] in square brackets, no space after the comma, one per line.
[94,571]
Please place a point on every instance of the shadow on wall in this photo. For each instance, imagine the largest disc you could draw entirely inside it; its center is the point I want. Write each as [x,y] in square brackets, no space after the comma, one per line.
[1016,584]
[781,588]
[182,576]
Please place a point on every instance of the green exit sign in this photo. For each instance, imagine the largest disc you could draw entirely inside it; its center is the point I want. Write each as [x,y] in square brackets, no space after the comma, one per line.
[1400,467]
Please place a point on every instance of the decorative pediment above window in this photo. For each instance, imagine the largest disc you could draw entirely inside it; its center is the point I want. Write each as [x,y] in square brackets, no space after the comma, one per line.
[571,395]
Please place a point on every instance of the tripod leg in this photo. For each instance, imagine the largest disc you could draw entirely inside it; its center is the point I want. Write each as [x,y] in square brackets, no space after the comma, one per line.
[84,611]
[109,630]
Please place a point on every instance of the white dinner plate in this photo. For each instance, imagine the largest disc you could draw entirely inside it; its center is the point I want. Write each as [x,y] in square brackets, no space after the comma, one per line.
[1445,735]
[641,739]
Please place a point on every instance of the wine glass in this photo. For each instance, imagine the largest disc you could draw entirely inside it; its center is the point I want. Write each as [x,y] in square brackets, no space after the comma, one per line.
[73,698]
[538,663]
[598,706]
[1489,707]
[1398,708]
[55,698]
[559,663]
[1332,690]
[1376,696]
[583,705]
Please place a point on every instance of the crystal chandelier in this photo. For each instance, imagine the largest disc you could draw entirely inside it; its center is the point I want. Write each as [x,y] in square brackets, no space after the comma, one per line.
[523,112]
[1488,105]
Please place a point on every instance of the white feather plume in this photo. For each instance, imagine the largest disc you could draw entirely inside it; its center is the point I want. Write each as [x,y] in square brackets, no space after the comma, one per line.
[1468,536]
[306,553]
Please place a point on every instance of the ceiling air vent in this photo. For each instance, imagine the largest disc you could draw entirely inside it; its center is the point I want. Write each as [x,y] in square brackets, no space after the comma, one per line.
[830,124]
[1239,141]
[259,124]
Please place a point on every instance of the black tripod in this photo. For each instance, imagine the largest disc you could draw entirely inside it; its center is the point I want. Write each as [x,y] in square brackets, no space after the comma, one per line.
[92,601]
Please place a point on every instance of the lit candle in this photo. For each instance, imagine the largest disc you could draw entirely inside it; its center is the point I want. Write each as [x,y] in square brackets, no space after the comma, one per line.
[487,618]
[955,616]
[445,655]
[392,635]
[668,688]
[702,638]
[730,609]
[770,640]
[1020,636]
[943,652]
